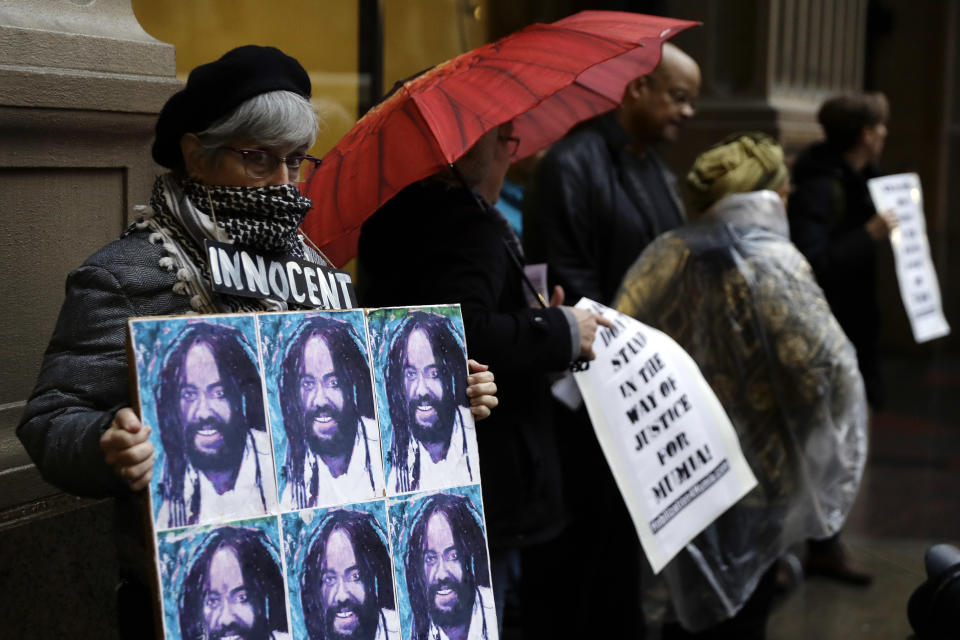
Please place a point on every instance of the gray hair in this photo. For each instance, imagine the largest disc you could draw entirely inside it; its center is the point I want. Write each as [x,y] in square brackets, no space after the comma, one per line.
[273,119]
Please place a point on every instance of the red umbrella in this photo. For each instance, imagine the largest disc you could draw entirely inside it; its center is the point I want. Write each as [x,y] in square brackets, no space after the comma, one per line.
[546,78]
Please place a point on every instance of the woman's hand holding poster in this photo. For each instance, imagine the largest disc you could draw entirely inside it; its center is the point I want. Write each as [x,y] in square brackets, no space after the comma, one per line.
[673,452]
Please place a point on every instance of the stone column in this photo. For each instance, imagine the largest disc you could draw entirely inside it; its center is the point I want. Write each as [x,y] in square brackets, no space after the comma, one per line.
[80,88]
[81,85]
[767,65]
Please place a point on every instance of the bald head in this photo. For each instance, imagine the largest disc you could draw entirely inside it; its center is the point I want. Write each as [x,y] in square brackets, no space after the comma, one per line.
[674,61]
[656,106]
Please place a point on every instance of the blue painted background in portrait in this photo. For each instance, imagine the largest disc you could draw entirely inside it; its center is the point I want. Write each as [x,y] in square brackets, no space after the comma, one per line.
[382,324]
[277,331]
[177,549]
[152,341]
[403,513]
[299,529]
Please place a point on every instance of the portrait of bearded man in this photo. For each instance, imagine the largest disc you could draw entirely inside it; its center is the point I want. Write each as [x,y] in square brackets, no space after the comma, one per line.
[434,442]
[346,586]
[234,589]
[332,453]
[447,572]
[212,427]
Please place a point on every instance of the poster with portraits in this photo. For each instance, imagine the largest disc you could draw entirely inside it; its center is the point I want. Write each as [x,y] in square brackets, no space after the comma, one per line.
[316,475]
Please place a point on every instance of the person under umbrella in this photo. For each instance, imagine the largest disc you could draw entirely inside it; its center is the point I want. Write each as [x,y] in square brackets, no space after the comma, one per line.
[439,146]
[441,241]
[235,141]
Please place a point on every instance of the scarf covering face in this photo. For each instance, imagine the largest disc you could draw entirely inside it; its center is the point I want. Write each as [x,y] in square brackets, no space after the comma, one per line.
[264,219]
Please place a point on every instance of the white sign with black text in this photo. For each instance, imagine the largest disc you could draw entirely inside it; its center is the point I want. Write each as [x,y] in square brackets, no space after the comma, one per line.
[919,288]
[671,447]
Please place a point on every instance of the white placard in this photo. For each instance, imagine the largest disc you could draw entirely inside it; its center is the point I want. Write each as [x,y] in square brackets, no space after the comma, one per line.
[671,447]
[919,288]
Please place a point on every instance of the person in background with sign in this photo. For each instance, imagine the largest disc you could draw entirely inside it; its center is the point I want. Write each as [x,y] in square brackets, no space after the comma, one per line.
[742,301]
[441,241]
[597,199]
[834,224]
[235,141]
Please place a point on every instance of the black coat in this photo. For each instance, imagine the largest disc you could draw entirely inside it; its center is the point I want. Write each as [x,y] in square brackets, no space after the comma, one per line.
[828,209]
[434,244]
[594,206]
[83,381]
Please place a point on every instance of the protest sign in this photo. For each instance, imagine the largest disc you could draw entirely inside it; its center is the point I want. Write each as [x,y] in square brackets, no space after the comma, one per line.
[287,443]
[673,451]
[242,272]
[919,288]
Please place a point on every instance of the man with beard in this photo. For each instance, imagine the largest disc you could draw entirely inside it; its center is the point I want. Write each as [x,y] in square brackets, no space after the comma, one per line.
[347,582]
[210,413]
[434,442]
[234,589]
[333,441]
[448,579]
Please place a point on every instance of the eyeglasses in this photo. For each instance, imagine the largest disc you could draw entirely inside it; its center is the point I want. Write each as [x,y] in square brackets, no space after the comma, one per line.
[260,164]
[512,142]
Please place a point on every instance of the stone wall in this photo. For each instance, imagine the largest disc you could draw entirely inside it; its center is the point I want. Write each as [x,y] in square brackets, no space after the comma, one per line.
[81,85]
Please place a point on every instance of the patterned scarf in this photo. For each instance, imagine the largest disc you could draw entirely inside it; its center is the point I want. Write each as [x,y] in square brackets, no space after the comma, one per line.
[263,219]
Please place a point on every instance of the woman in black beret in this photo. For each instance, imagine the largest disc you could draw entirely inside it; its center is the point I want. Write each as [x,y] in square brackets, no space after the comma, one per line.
[235,141]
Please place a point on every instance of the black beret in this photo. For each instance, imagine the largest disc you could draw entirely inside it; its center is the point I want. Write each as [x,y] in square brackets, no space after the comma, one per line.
[216,88]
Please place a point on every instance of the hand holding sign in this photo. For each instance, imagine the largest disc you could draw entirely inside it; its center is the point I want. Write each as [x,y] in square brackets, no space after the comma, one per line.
[882,224]
[669,443]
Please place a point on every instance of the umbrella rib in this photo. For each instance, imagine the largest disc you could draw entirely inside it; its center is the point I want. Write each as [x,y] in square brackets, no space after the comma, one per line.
[336,199]
[426,134]
[513,77]
[455,108]
[529,64]
[594,36]
[382,182]
[564,103]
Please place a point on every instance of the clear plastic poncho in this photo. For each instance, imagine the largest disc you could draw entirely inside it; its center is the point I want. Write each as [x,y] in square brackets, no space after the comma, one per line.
[742,301]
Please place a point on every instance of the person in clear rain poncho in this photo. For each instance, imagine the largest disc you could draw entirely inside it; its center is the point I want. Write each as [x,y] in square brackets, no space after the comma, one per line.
[742,301]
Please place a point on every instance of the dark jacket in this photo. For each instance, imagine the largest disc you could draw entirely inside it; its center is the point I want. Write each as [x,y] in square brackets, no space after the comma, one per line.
[434,244]
[593,208]
[83,379]
[828,209]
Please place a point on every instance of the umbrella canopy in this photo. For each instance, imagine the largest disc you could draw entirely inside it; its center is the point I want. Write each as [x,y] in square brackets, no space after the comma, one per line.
[546,78]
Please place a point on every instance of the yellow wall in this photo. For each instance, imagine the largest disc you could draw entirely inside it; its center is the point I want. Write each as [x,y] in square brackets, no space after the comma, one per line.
[418,34]
[322,35]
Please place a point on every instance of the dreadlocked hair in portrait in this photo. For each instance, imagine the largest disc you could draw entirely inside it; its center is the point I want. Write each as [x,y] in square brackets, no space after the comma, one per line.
[261,578]
[451,364]
[373,563]
[471,548]
[353,374]
[241,383]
